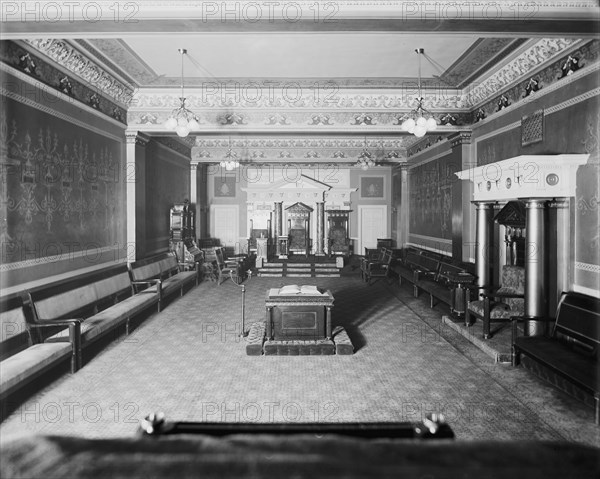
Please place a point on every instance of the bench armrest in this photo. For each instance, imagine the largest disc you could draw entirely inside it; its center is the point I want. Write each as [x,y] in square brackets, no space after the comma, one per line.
[48,323]
[148,281]
[514,320]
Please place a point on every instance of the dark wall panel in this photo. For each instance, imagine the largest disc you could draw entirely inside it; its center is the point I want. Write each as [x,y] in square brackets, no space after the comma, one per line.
[62,194]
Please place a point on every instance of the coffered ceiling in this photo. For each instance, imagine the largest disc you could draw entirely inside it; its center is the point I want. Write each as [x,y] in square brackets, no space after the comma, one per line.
[361,51]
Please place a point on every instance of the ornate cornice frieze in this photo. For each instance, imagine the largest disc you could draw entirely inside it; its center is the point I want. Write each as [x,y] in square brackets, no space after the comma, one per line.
[46,107]
[299,149]
[255,96]
[80,65]
[36,69]
[532,57]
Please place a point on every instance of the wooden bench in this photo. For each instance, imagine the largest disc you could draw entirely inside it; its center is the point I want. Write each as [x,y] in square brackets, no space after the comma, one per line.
[572,349]
[447,286]
[161,274]
[90,306]
[21,364]
[58,320]
[435,275]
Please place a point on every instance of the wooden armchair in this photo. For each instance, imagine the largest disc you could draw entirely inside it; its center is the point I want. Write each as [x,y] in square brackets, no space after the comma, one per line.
[227,268]
[499,304]
[379,268]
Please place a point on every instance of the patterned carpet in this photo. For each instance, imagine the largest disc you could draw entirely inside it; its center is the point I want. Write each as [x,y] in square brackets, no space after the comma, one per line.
[190,362]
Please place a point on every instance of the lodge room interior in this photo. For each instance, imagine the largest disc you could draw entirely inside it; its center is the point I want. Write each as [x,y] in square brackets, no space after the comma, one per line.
[299,234]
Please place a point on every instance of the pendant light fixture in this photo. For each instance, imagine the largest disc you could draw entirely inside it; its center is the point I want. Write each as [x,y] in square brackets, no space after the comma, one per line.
[182,120]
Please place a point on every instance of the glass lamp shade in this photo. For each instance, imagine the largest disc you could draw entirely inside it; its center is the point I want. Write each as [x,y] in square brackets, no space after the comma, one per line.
[182,121]
[193,124]
[171,123]
[431,124]
[182,131]
[421,121]
[420,131]
[408,124]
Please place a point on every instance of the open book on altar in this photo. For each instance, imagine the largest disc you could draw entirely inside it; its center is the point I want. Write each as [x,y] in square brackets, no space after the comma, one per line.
[306,289]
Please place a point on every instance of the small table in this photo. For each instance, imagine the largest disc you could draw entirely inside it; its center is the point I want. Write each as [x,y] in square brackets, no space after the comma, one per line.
[298,316]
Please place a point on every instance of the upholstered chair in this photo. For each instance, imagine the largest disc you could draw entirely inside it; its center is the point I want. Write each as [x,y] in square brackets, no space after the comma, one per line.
[502,303]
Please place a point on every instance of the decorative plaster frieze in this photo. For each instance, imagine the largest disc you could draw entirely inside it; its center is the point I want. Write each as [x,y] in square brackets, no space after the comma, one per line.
[78,63]
[281,99]
[33,102]
[526,176]
[299,149]
[538,54]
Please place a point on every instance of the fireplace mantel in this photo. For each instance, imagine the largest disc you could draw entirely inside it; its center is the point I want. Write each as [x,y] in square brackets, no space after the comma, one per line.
[526,176]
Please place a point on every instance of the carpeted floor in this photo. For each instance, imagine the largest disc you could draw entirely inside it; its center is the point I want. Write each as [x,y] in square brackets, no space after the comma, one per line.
[190,362]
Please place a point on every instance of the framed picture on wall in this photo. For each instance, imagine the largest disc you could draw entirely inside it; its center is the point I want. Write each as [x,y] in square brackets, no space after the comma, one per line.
[372,187]
[224,186]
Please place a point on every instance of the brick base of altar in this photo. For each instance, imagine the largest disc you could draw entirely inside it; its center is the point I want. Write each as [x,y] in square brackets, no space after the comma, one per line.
[257,344]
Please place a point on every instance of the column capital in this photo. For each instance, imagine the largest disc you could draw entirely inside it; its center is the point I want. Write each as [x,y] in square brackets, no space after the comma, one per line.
[482,205]
[559,203]
[193,166]
[460,138]
[536,203]
[135,137]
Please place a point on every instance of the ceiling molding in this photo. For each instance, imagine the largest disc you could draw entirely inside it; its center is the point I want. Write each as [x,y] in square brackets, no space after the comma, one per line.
[106,18]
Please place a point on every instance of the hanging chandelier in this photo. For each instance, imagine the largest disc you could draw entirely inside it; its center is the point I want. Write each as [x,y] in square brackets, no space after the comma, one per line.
[229,161]
[365,159]
[419,121]
[182,120]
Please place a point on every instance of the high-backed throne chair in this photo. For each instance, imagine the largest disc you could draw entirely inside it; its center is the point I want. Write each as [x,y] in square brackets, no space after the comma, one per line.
[502,303]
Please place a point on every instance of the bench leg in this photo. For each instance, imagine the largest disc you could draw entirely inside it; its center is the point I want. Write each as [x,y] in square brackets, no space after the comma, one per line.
[127,327]
[467,317]
[515,358]
[75,336]
[415,291]
[597,409]
[431,304]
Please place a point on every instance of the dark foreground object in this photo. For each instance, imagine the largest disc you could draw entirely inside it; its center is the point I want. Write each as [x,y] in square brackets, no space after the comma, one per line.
[432,427]
[299,456]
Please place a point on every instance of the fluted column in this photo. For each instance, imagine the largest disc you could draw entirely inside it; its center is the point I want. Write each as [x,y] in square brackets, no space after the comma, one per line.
[320,227]
[484,242]
[536,278]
